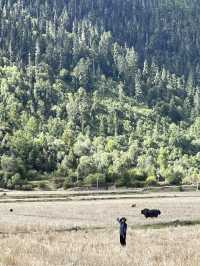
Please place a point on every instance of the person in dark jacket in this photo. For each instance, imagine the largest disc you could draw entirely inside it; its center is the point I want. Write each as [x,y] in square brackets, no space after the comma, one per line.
[122,230]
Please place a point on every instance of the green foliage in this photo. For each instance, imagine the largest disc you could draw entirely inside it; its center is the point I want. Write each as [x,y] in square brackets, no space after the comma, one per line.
[43,185]
[122,181]
[136,174]
[151,181]
[135,177]
[95,179]
[111,145]
[173,177]
[26,187]
[118,102]
[58,182]
[67,183]
[16,182]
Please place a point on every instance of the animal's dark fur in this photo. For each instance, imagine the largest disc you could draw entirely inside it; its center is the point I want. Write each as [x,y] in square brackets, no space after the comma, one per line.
[150,213]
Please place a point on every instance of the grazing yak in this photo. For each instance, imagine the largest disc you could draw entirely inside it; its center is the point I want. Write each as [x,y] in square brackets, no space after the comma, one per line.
[150,213]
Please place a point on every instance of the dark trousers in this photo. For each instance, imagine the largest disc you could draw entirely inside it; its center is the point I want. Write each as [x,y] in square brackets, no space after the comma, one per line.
[123,240]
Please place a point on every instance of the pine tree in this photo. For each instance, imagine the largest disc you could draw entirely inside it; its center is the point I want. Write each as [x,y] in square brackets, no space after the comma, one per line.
[139,96]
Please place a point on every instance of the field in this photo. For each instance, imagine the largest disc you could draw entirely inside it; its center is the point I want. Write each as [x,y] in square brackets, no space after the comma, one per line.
[50,229]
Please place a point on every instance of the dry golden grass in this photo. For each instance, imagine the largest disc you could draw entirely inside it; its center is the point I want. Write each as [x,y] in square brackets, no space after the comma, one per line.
[96,213]
[34,234]
[170,247]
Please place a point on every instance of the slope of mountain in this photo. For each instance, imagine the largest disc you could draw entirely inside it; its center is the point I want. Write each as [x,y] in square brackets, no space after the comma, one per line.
[99,90]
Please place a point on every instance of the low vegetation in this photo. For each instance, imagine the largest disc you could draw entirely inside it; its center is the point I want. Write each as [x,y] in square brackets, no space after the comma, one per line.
[83,211]
[172,247]
[82,232]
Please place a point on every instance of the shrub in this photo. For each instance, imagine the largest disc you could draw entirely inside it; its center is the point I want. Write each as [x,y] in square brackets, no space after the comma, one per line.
[14,182]
[12,165]
[42,185]
[137,184]
[17,180]
[151,181]
[1,174]
[9,184]
[122,181]
[17,187]
[58,182]
[174,178]
[32,174]
[93,178]
[27,187]
[133,177]
[67,183]
[136,174]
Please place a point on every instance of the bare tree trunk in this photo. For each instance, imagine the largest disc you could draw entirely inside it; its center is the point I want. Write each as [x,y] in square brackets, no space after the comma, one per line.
[97,183]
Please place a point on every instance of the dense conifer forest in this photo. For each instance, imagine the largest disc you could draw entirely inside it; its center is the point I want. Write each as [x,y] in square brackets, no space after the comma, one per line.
[98,91]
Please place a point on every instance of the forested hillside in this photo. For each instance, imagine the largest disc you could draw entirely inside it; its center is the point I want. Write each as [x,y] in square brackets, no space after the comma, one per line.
[99,90]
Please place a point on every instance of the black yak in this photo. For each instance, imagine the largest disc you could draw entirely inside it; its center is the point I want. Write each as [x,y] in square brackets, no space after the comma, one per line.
[150,213]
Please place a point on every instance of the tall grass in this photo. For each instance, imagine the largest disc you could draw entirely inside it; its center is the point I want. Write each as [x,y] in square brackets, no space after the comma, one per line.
[36,234]
[171,247]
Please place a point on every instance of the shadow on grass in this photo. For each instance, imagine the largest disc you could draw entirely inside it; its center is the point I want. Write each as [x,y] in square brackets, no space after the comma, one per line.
[167,224]
[96,228]
[138,227]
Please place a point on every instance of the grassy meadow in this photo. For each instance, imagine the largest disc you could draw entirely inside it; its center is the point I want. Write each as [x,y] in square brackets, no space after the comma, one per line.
[170,246]
[85,232]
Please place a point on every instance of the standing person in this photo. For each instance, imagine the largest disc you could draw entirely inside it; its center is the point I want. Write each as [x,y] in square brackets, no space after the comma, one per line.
[122,230]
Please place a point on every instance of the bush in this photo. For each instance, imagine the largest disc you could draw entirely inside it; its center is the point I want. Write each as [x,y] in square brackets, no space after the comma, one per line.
[122,181]
[72,176]
[137,184]
[32,174]
[58,182]
[27,187]
[133,177]
[174,178]
[17,180]
[17,187]
[9,184]
[111,176]
[93,178]
[7,176]
[43,185]
[136,174]
[67,183]
[151,181]
[12,165]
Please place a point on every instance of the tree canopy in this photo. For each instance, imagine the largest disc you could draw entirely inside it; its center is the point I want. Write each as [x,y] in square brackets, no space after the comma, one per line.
[86,97]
